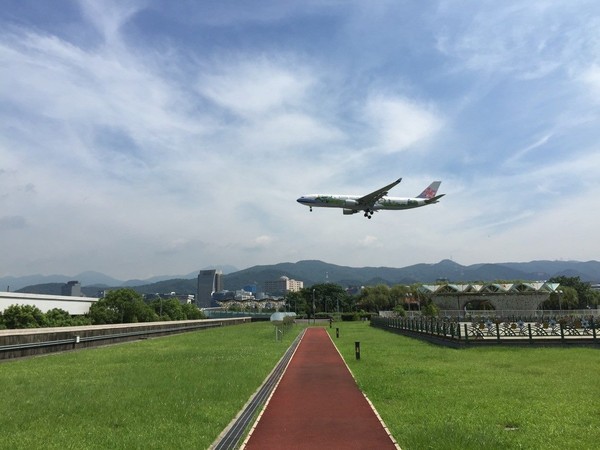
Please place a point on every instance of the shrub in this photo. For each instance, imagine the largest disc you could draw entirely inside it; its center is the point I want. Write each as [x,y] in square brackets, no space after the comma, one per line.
[400,311]
[58,318]
[430,310]
[350,317]
[24,316]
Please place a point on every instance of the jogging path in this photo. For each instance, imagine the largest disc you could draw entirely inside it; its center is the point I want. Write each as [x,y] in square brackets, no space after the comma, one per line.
[317,405]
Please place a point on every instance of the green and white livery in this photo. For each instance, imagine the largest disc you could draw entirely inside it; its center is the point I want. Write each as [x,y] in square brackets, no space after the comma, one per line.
[375,201]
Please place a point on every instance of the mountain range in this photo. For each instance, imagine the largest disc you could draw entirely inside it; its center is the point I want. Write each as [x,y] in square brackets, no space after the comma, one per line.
[315,272]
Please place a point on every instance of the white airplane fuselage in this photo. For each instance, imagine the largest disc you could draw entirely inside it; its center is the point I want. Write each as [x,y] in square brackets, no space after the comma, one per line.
[375,201]
[351,202]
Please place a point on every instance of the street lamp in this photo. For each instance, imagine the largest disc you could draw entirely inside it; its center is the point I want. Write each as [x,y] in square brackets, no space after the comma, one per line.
[559,301]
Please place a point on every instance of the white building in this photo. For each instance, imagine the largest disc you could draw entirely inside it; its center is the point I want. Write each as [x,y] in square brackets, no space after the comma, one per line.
[283,286]
[75,306]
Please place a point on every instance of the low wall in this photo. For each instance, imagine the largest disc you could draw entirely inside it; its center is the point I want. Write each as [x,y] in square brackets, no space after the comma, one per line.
[37,341]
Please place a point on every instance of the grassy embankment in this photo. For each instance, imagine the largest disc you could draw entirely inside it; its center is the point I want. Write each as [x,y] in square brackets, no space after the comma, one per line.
[181,391]
[175,392]
[481,398]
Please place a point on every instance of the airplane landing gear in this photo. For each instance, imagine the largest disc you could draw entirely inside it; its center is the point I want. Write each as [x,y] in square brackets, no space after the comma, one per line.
[368,213]
[310,209]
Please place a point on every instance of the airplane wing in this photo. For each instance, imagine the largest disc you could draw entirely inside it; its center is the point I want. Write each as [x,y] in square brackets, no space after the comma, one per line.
[371,198]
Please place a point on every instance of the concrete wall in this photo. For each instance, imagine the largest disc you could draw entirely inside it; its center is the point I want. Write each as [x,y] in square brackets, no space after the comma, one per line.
[501,302]
[28,342]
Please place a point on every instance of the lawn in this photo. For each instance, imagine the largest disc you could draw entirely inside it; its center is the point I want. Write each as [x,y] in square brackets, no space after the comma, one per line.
[181,391]
[480,398]
[173,392]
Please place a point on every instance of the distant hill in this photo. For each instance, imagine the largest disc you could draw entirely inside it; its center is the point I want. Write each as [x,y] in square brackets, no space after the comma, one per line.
[315,272]
[96,279]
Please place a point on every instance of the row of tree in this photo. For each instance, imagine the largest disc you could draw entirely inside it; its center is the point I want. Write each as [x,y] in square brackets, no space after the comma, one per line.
[332,298]
[127,306]
[572,294]
[118,306]
[329,298]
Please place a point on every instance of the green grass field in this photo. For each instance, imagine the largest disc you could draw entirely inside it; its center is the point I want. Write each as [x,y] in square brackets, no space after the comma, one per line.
[481,398]
[181,391]
[175,392]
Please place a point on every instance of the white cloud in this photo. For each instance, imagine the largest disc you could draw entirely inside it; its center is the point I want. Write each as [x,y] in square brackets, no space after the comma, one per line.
[248,86]
[278,133]
[399,123]
[178,146]
[591,79]
[109,16]
[370,241]
[529,40]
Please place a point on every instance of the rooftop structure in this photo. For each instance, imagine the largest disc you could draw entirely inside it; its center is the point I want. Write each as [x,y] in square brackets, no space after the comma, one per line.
[502,296]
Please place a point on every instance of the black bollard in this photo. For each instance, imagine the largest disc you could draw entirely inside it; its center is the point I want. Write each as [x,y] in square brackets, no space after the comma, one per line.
[357,349]
[337,332]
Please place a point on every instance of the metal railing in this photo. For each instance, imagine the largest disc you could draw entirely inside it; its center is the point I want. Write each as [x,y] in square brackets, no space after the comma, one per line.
[79,339]
[548,331]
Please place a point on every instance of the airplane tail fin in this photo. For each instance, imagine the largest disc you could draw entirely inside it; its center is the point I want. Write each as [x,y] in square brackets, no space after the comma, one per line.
[430,190]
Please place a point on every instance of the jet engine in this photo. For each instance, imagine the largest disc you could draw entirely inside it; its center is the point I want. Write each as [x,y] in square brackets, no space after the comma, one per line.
[348,212]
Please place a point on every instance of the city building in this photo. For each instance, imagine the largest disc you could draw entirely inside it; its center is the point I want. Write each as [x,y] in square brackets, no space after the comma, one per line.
[209,282]
[283,286]
[72,289]
[242,295]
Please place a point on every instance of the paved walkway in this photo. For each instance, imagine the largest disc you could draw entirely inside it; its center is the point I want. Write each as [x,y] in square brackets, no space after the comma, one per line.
[317,405]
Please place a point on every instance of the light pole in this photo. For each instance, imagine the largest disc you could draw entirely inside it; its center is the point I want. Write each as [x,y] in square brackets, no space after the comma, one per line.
[313,308]
[559,301]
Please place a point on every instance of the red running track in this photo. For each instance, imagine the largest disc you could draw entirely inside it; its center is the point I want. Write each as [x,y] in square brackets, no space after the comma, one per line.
[317,405]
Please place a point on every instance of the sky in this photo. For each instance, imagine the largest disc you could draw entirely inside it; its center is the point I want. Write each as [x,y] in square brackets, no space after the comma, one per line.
[143,138]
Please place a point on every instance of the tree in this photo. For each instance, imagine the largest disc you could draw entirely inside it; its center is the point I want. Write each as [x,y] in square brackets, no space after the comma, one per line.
[192,312]
[400,311]
[399,294]
[58,318]
[122,306]
[296,302]
[24,316]
[375,298]
[567,298]
[327,297]
[431,310]
[168,309]
[586,296]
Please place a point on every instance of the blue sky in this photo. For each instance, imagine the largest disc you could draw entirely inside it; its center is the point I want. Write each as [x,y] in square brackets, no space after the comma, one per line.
[145,138]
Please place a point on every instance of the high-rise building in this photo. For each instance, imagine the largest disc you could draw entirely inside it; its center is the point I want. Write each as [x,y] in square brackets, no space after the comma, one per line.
[283,286]
[209,281]
[72,289]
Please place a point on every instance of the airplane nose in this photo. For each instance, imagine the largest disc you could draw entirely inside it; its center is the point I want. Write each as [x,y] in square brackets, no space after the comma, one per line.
[306,200]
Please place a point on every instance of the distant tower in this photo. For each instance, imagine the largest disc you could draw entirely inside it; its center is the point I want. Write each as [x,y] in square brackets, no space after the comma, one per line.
[209,282]
[71,289]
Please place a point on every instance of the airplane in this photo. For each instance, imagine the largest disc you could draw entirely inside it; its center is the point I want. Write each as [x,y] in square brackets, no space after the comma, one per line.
[374,201]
